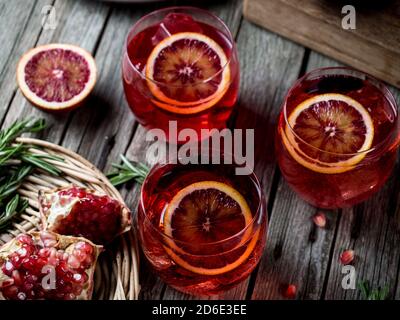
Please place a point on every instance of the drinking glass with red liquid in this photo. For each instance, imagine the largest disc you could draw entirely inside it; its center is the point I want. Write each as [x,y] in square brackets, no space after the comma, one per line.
[202,227]
[180,64]
[338,136]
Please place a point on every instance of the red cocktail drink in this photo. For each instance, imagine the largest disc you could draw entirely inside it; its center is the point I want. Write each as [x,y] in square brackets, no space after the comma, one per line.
[202,227]
[180,64]
[338,135]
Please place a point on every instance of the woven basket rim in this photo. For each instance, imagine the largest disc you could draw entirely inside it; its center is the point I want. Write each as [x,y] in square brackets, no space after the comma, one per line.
[118,275]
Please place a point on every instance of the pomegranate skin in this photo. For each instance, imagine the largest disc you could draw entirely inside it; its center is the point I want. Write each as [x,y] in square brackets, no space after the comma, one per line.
[83,212]
[45,265]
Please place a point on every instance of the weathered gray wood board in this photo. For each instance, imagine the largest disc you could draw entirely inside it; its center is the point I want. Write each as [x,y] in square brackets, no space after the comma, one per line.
[372,44]
[297,252]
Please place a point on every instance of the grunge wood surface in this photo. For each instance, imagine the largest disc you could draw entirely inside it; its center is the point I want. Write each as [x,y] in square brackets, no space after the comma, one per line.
[296,251]
[373,47]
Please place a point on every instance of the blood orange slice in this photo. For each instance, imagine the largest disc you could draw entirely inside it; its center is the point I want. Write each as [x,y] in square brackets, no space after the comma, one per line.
[202,214]
[56,77]
[329,133]
[187,72]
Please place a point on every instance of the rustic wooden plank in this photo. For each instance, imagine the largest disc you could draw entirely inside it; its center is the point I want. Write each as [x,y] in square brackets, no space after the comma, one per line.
[374,46]
[80,23]
[152,287]
[231,14]
[371,229]
[107,122]
[22,20]
[297,252]
[269,64]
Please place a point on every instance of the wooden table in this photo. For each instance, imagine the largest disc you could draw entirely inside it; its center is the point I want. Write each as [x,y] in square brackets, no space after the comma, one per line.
[297,252]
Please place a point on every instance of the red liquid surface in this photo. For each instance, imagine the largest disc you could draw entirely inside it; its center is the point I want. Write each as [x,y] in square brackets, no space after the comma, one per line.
[367,177]
[158,191]
[136,86]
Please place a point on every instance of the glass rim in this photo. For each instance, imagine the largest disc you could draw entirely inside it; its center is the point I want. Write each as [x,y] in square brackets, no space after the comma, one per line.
[172,9]
[383,88]
[255,218]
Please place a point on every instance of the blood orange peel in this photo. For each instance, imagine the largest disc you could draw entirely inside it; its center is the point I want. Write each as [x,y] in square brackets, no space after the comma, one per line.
[329,133]
[187,73]
[203,214]
[56,77]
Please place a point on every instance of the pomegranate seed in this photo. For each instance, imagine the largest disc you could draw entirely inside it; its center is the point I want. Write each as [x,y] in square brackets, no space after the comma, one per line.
[44,253]
[23,280]
[9,266]
[22,252]
[21,296]
[319,219]
[7,283]
[85,247]
[290,292]
[24,238]
[16,260]
[347,257]
[28,286]
[16,277]
[48,239]
[73,262]
[77,219]
[11,292]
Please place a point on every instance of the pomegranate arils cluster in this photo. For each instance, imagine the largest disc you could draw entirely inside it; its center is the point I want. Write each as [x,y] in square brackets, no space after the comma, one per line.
[47,266]
[81,212]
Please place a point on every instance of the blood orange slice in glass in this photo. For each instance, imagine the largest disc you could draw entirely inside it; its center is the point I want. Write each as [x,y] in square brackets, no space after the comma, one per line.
[187,72]
[329,133]
[56,77]
[199,219]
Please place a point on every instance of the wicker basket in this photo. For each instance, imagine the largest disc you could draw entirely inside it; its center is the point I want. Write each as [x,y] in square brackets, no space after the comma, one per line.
[116,276]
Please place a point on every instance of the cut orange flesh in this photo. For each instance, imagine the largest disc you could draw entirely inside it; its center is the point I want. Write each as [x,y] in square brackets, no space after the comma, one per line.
[329,133]
[205,213]
[56,76]
[187,73]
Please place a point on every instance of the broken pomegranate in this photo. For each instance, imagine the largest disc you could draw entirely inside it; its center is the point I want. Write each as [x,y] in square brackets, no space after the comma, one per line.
[82,212]
[45,265]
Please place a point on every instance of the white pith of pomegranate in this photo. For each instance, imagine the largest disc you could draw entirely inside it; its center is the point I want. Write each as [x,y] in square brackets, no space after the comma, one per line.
[30,262]
[82,212]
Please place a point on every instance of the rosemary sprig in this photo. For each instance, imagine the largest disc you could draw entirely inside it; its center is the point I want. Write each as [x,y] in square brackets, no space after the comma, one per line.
[373,294]
[127,171]
[16,163]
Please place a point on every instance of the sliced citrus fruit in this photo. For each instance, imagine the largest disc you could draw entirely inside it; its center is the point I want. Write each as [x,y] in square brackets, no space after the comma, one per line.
[56,77]
[187,72]
[202,214]
[329,133]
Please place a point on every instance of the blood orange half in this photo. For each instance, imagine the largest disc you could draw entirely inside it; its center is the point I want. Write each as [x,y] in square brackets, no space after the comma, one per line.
[329,133]
[56,77]
[187,73]
[203,214]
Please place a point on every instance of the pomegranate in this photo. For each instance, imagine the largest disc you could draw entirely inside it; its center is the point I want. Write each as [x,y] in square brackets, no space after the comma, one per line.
[45,265]
[82,212]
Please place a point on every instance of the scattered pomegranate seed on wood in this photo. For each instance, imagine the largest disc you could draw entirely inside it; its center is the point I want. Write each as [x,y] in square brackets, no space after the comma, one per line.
[319,219]
[347,257]
[290,291]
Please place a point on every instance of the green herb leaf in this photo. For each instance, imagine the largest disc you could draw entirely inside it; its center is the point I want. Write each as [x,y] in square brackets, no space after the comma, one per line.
[127,171]
[16,163]
[373,294]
